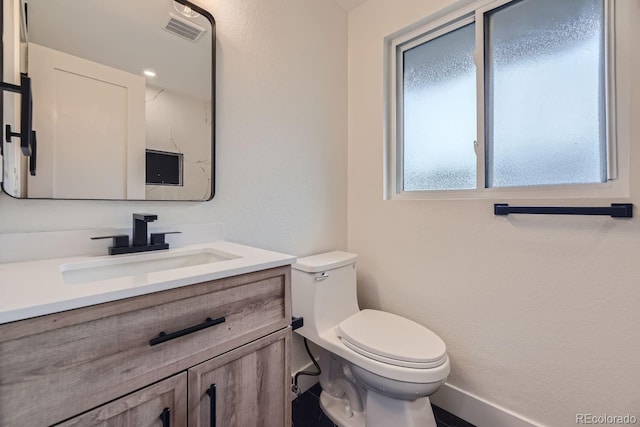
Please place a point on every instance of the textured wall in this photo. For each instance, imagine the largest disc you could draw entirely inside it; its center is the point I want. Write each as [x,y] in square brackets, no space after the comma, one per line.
[540,314]
[281,136]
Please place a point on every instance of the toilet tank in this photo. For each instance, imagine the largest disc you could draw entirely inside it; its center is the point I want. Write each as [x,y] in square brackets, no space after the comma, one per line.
[323,291]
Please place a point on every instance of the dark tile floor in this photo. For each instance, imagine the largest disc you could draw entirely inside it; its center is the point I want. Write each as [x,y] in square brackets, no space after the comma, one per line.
[307,412]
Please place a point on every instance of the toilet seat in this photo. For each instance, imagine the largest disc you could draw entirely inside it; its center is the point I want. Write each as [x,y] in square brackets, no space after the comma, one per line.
[392,339]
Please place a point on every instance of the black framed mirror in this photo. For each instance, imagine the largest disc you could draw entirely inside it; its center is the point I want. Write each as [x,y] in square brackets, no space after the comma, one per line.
[123,98]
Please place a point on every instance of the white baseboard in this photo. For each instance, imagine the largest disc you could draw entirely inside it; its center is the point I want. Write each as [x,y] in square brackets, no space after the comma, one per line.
[476,410]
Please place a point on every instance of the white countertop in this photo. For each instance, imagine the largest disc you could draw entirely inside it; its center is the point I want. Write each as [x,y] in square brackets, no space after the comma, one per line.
[35,288]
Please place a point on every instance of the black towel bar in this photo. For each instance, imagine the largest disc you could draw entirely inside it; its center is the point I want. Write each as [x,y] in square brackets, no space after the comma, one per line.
[617,210]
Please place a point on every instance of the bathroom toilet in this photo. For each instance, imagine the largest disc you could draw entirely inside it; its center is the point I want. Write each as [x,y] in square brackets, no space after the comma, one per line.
[382,368]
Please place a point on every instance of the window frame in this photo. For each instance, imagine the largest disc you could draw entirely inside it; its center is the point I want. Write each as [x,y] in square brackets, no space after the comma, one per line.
[475,12]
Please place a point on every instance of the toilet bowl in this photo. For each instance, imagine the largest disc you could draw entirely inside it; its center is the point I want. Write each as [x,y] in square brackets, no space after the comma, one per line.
[381,368]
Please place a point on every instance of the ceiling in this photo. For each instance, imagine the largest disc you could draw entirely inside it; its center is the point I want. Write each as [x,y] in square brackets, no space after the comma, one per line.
[349,5]
[127,35]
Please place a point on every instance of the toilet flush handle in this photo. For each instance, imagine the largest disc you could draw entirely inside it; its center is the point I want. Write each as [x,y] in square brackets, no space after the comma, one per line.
[321,276]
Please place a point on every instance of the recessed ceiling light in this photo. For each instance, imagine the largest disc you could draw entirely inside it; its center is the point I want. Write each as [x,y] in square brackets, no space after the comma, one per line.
[185,10]
[149,73]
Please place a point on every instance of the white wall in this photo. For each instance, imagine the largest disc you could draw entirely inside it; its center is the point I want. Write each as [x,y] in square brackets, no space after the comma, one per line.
[281,136]
[540,314]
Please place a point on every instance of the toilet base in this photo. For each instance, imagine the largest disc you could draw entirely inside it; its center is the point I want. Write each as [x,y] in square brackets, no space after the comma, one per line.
[338,411]
[382,411]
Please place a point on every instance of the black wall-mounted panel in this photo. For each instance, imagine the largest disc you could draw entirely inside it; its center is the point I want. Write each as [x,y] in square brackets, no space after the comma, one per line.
[163,168]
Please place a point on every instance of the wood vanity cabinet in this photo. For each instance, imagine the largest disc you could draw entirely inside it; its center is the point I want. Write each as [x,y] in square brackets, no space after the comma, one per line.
[152,360]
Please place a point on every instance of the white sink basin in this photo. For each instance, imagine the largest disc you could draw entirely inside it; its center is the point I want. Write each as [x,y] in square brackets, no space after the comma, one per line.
[133,265]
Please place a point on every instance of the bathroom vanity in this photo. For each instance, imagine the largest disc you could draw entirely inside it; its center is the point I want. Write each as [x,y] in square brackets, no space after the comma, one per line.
[214,352]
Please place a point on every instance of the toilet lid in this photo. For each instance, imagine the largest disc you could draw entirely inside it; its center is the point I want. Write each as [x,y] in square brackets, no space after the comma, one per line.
[392,339]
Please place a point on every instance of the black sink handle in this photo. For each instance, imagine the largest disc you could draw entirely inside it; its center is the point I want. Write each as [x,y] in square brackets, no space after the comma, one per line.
[119,240]
[158,238]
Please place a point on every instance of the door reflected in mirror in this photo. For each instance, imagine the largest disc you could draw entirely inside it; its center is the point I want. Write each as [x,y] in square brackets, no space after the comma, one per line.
[122,99]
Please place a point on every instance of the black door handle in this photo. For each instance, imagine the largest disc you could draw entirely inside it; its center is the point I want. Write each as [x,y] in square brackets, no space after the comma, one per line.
[165,417]
[164,337]
[212,405]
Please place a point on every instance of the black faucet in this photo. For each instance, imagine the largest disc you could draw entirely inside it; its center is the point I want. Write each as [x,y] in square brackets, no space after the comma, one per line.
[141,243]
[140,228]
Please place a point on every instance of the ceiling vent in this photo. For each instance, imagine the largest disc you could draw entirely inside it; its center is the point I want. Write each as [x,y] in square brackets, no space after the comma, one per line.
[183,28]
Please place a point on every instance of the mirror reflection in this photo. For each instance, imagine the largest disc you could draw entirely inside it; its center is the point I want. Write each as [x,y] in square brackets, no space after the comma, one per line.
[122,99]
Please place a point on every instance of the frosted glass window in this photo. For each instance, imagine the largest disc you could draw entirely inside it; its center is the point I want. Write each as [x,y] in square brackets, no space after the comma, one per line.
[545,100]
[439,113]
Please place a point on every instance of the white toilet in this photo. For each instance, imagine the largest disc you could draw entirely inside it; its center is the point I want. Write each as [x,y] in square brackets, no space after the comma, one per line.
[382,367]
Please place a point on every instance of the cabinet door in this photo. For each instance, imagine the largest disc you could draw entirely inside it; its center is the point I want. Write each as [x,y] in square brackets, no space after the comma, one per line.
[247,387]
[160,405]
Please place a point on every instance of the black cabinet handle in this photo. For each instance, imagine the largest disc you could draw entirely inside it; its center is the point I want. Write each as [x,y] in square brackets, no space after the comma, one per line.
[165,417]
[212,405]
[163,336]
